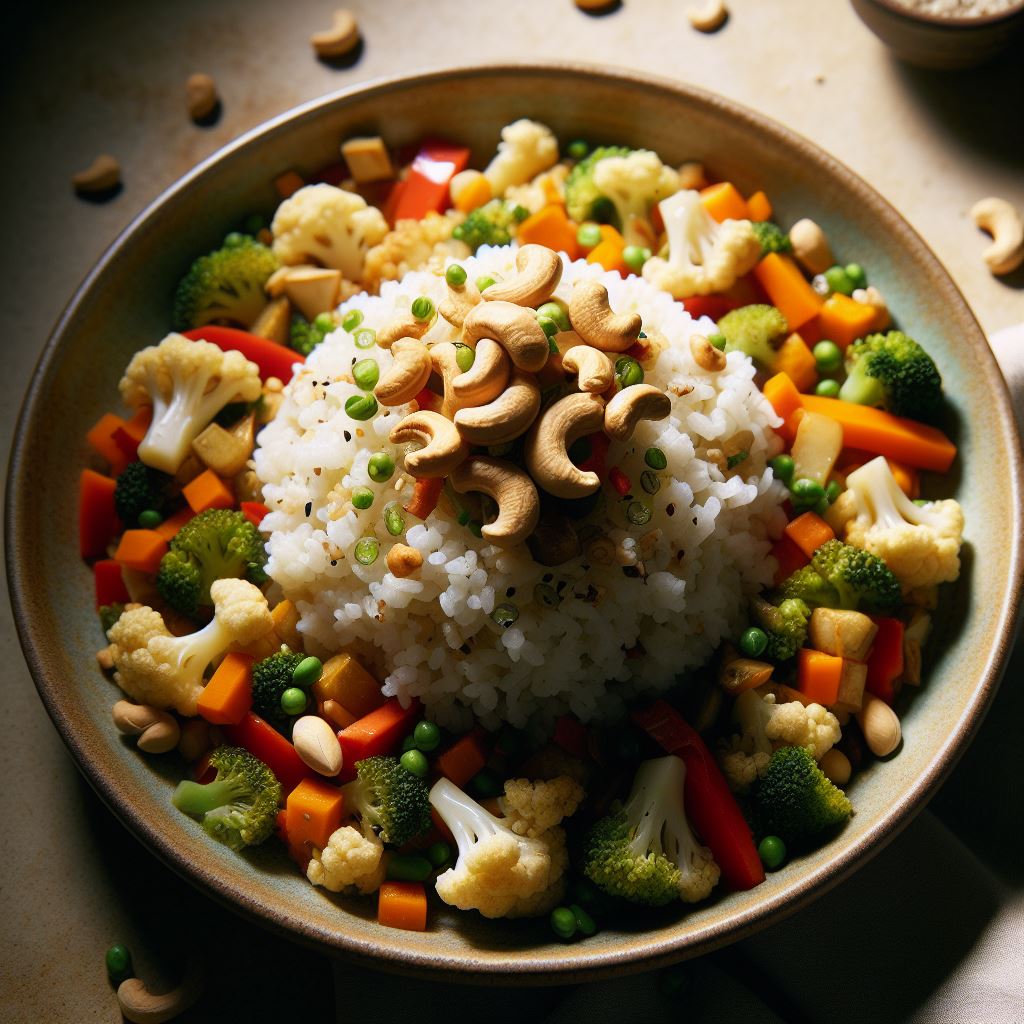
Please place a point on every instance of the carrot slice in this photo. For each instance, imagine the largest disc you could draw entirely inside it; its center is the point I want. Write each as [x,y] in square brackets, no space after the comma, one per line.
[475,194]
[288,184]
[172,524]
[402,905]
[314,811]
[796,359]
[844,320]
[207,491]
[608,254]
[788,289]
[551,227]
[228,695]
[462,760]
[101,438]
[724,202]
[818,675]
[808,532]
[784,397]
[141,550]
[425,495]
[97,515]
[759,206]
[379,732]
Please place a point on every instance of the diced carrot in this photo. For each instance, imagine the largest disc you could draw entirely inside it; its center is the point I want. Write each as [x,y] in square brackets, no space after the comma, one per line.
[254,511]
[843,319]
[314,811]
[379,732]
[346,681]
[101,438]
[784,397]
[796,359]
[228,695]
[759,206]
[818,675]
[608,254]
[808,532]
[402,905]
[551,227]
[724,202]
[97,515]
[788,289]
[572,736]
[550,189]
[288,184]
[789,558]
[475,194]
[462,760]
[610,233]
[129,435]
[425,495]
[141,550]
[207,491]
[109,583]
[172,524]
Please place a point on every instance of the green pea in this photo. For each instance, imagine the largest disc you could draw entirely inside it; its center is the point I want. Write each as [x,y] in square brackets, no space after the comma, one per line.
[588,235]
[380,467]
[628,372]
[655,458]
[352,319]
[324,323]
[293,701]
[362,497]
[423,309]
[365,337]
[839,281]
[415,763]
[366,550]
[150,518]
[455,275]
[649,482]
[504,614]
[465,357]
[635,256]
[782,466]
[548,326]
[584,922]
[577,149]
[821,507]
[638,513]
[487,783]
[552,346]
[563,922]
[772,851]
[753,642]
[828,356]
[307,672]
[855,272]
[555,311]
[394,521]
[366,373]
[827,388]
[361,407]
[409,743]
[119,964]
[485,281]
[234,239]
[832,491]
[806,491]
[439,854]
[408,867]
[717,341]
[427,736]
[546,596]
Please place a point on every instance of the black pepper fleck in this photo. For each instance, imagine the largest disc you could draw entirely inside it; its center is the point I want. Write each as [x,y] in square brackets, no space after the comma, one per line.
[347,435]
[670,509]
[510,591]
[309,508]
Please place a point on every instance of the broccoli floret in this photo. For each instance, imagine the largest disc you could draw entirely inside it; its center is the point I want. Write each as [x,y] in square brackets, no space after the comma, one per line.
[491,224]
[785,624]
[771,237]
[303,335]
[225,285]
[892,371]
[391,801]
[239,807]
[809,586]
[109,614]
[756,330]
[583,199]
[795,801]
[216,544]
[861,579]
[270,678]
[139,487]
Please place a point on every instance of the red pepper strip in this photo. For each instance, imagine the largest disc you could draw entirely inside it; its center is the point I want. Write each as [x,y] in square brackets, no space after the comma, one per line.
[272,359]
[266,743]
[713,306]
[254,511]
[789,557]
[885,663]
[425,495]
[97,516]
[572,736]
[619,481]
[425,188]
[110,588]
[710,806]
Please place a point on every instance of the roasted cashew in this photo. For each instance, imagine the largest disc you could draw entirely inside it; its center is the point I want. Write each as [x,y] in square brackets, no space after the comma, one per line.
[514,327]
[594,321]
[513,490]
[1002,221]
[486,378]
[548,443]
[103,174]
[340,39]
[810,246]
[157,731]
[705,355]
[406,326]
[141,1006]
[459,302]
[539,271]
[709,17]
[408,374]
[443,448]
[509,416]
[200,96]
[594,370]
[630,406]
[443,356]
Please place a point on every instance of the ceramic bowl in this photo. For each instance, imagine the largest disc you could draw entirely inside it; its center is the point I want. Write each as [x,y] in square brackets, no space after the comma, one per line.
[124,304]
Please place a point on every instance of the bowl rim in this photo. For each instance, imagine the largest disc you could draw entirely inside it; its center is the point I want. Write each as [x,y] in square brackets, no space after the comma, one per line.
[640,951]
[895,8]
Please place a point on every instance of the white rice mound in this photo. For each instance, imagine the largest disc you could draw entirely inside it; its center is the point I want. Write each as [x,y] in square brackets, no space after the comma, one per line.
[618,631]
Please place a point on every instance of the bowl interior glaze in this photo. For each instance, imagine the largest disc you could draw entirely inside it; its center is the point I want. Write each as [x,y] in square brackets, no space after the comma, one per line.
[124,304]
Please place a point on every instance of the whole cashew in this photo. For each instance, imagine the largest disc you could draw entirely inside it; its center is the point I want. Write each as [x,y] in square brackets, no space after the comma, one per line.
[810,246]
[486,378]
[404,327]
[630,406]
[443,448]
[408,374]
[443,356]
[539,271]
[705,355]
[1002,221]
[341,38]
[458,303]
[509,416]
[157,731]
[141,1006]
[709,17]
[594,370]
[594,321]
[548,443]
[514,327]
[102,174]
[513,490]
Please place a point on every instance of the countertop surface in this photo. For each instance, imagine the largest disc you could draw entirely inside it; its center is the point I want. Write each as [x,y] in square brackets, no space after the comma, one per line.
[81,79]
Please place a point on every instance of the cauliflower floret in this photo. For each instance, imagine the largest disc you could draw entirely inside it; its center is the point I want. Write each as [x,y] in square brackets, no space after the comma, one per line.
[327,225]
[744,757]
[166,671]
[634,183]
[533,808]
[740,767]
[919,544]
[526,148]
[704,256]
[414,245]
[541,191]
[794,724]
[350,862]
[187,383]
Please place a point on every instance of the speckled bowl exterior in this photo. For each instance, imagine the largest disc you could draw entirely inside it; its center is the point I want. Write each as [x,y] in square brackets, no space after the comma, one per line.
[124,304]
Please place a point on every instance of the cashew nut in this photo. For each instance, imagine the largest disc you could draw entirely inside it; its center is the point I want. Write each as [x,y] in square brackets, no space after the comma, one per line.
[404,327]
[592,318]
[810,246]
[404,560]
[157,731]
[630,406]
[514,327]
[340,39]
[512,489]
[705,355]
[316,743]
[880,725]
[103,174]
[201,96]
[836,767]
[444,357]
[709,17]
[459,302]
[1002,221]
[486,378]
[594,370]
[141,1006]
[408,374]
[509,416]
[539,271]
[548,443]
[443,448]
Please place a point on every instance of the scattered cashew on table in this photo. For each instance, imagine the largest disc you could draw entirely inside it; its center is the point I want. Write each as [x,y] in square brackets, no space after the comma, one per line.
[1003,222]
[141,1006]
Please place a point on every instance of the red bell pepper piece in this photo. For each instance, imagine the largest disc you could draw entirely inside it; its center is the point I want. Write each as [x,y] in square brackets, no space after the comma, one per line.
[425,188]
[713,306]
[254,511]
[425,496]
[272,359]
[710,805]
[379,732]
[885,662]
[266,743]
[622,484]
[97,516]
[572,736]
[597,460]
[789,557]
[110,588]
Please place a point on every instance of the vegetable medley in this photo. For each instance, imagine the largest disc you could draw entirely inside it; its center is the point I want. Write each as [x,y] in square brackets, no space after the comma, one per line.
[737,767]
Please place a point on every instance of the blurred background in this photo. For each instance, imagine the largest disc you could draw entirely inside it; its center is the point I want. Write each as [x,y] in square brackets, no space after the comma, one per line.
[82,79]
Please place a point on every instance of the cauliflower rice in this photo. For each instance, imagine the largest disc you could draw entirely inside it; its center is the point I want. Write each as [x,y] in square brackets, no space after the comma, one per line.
[589,635]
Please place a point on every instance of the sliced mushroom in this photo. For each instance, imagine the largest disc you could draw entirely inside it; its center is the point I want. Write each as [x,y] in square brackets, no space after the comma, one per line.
[408,374]
[548,443]
[592,318]
[512,489]
[514,327]
[443,448]
[509,416]
[539,269]
[630,406]
[486,378]
[594,370]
